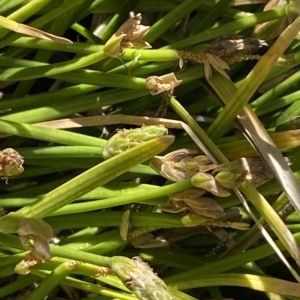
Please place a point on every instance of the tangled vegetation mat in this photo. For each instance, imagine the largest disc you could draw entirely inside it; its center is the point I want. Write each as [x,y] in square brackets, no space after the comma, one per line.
[149,149]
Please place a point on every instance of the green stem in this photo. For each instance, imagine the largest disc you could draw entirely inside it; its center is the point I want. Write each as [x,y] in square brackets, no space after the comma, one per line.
[86,33]
[170,19]
[18,285]
[132,198]
[94,177]
[52,280]
[49,134]
[231,27]
[14,74]
[227,263]
[26,11]
[113,219]
[43,20]
[252,82]
[260,283]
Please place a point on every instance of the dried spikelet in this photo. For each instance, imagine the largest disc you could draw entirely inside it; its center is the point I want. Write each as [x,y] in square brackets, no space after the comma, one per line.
[129,35]
[181,164]
[161,84]
[11,163]
[221,52]
[192,219]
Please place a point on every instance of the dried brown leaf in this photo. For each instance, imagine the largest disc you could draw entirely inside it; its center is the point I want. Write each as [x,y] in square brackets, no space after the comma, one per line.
[161,84]
[129,35]
[34,32]
[35,235]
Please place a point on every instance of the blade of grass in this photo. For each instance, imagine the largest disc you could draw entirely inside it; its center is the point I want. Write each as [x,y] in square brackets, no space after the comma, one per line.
[89,287]
[86,33]
[119,17]
[48,134]
[14,74]
[230,27]
[113,219]
[8,5]
[251,193]
[18,285]
[132,198]
[31,31]
[23,13]
[92,178]
[210,18]
[170,19]
[252,82]
[260,283]
[50,282]
[284,141]
[45,19]
[80,104]
[228,263]
[292,111]
[59,26]
[270,154]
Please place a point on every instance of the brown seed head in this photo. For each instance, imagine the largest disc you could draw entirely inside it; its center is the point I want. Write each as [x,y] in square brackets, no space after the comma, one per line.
[10,163]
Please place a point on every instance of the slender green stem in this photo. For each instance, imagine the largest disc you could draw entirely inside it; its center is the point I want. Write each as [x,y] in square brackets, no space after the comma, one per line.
[43,20]
[52,280]
[58,27]
[86,33]
[84,103]
[34,43]
[237,25]
[252,82]
[260,283]
[8,5]
[51,70]
[94,177]
[212,16]
[18,285]
[187,118]
[117,20]
[170,19]
[227,263]
[48,134]
[26,11]
[89,287]
[113,219]
[132,198]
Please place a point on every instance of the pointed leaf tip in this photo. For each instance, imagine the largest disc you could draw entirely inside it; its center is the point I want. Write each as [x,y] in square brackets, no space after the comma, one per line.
[166,140]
